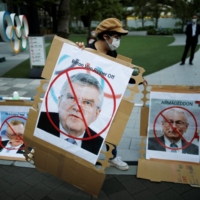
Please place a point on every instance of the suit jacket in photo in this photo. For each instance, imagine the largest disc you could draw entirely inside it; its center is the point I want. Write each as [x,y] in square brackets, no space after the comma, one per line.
[188,33]
[5,142]
[153,144]
[92,145]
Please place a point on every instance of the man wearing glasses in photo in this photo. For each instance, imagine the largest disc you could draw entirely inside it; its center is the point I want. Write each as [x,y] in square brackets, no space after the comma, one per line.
[14,132]
[174,125]
[79,104]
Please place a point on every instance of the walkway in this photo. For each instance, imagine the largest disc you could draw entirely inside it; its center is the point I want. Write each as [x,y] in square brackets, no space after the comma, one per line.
[24,183]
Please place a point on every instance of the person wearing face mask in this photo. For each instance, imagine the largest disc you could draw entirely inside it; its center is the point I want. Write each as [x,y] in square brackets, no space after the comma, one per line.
[192,32]
[109,33]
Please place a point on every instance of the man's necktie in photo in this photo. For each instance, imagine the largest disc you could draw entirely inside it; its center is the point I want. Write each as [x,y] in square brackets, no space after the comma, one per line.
[71,140]
[173,145]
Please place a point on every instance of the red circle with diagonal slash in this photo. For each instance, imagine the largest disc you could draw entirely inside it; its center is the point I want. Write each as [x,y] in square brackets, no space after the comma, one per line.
[187,143]
[5,121]
[47,110]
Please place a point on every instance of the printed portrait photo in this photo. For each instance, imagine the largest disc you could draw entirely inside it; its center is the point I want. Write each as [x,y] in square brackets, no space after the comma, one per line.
[13,121]
[173,128]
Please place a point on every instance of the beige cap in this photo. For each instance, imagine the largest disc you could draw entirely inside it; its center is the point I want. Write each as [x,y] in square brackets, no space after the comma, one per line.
[110,24]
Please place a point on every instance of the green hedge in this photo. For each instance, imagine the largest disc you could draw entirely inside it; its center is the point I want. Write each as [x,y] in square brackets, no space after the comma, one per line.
[160,31]
[77,30]
[140,28]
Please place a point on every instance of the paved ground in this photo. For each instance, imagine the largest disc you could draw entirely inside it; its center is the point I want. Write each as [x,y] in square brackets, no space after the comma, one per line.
[24,183]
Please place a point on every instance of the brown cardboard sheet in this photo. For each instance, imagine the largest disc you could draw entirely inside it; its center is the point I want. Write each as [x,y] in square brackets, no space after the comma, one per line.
[165,170]
[62,164]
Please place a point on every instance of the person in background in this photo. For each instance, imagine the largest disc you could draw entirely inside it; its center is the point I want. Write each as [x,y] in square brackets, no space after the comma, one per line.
[92,38]
[192,32]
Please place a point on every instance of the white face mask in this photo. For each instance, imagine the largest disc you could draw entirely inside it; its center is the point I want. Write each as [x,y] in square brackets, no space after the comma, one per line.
[194,20]
[114,45]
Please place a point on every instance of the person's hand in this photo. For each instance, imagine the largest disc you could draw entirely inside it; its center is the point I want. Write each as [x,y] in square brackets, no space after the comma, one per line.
[80,45]
[145,82]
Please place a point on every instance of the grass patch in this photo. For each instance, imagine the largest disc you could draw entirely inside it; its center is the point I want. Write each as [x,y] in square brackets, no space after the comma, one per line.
[150,52]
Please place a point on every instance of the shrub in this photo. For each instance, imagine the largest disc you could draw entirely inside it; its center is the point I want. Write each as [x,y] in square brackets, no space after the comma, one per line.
[140,28]
[77,30]
[160,31]
[178,30]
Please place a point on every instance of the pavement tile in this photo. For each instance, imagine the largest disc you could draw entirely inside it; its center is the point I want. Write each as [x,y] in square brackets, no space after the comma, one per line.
[145,195]
[180,188]
[2,83]
[52,182]
[122,195]
[122,178]
[4,185]
[135,143]
[102,196]
[134,185]
[4,196]
[46,198]
[14,177]
[193,194]
[81,195]
[38,192]
[34,178]
[24,197]
[4,88]
[112,185]
[170,195]
[19,85]
[27,170]
[156,187]
[61,193]
[17,189]
[71,187]
[3,172]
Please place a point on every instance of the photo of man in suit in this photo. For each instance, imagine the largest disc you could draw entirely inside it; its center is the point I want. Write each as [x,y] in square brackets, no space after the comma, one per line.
[14,132]
[174,125]
[192,32]
[79,104]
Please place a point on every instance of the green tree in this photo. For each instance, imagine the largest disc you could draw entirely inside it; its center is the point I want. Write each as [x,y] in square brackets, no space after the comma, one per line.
[61,18]
[142,9]
[182,11]
[90,10]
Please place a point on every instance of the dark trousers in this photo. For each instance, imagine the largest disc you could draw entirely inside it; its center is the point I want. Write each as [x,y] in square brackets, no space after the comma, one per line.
[189,45]
[114,151]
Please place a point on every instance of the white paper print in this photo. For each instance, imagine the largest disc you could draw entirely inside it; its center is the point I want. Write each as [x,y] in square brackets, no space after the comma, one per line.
[173,127]
[81,101]
[12,124]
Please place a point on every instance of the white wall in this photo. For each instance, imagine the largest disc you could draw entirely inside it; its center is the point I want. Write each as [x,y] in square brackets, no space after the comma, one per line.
[162,22]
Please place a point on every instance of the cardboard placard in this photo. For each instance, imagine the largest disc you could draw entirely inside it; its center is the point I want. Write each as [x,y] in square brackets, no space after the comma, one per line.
[13,116]
[166,170]
[58,162]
